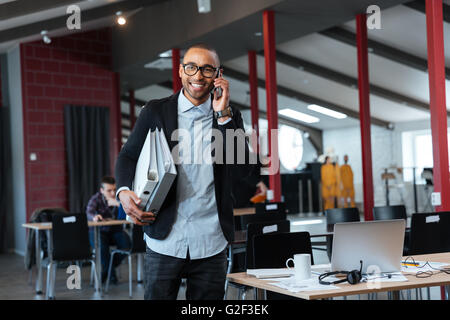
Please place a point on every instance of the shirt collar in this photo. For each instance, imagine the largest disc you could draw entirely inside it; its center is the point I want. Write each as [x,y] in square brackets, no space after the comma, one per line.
[185,105]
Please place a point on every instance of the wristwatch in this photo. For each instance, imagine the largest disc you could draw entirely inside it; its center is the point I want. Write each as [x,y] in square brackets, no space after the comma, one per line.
[227,112]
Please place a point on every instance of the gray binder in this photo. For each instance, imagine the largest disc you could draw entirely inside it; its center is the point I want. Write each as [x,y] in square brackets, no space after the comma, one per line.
[146,174]
[166,173]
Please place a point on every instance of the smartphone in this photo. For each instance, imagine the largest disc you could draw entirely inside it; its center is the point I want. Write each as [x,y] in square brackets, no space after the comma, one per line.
[218,89]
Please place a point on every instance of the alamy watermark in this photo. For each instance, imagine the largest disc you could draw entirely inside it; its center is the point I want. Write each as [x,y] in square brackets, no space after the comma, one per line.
[74,20]
[373,17]
[208,146]
[74,280]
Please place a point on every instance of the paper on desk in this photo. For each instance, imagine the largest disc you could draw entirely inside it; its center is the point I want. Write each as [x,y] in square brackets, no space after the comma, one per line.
[270,273]
[293,285]
[395,277]
[424,268]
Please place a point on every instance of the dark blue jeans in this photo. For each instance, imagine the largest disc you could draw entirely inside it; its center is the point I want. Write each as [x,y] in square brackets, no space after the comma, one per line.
[107,238]
[205,278]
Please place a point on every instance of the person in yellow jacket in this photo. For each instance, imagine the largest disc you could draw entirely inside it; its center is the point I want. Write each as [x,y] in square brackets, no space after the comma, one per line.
[328,176]
[347,191]
[338,182]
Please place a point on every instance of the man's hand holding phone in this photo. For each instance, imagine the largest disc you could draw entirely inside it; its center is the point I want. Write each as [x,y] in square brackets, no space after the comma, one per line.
[220,102]
[130,202]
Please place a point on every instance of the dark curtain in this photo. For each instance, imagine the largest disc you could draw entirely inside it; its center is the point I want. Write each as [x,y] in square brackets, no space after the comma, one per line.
[87,152]
[4,134]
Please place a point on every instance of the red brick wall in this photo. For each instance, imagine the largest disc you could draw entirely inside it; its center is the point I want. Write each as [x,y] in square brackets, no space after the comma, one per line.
[76,70]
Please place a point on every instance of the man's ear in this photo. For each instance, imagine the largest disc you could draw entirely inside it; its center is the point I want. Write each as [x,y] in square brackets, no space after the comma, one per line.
[180,70]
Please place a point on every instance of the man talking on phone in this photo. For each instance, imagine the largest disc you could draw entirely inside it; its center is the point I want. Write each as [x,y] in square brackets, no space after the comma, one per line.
[189,236]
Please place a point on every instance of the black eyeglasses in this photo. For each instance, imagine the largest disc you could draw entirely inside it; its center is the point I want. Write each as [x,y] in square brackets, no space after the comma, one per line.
[192,69]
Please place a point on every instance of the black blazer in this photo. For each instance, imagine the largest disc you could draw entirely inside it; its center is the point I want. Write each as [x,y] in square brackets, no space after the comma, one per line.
[163,113]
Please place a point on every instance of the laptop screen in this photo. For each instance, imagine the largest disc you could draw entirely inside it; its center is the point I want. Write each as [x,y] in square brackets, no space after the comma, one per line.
[378,244]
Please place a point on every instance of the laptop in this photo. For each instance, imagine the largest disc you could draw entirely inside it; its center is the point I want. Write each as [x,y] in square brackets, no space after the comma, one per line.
[378,244]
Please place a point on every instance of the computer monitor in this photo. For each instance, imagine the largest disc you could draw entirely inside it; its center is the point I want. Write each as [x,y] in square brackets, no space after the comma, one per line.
[378,244]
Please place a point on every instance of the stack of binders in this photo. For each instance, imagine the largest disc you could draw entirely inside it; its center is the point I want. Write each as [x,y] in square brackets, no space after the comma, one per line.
[155,172]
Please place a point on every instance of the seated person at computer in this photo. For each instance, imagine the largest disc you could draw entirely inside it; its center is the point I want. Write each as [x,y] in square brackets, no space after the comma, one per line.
[104,206]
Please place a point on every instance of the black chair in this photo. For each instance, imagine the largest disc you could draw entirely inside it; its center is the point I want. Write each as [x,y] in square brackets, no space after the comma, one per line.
[272,207]
[266,217]
[254,229]
[392,213]
[259,228]
[239,253]
[429,233]
[69,242]
[272,251]
[389,212]
[138,246]
[339,215]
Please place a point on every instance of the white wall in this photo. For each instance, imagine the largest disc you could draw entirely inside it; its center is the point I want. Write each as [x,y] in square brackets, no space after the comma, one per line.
[386,152]
[309,152]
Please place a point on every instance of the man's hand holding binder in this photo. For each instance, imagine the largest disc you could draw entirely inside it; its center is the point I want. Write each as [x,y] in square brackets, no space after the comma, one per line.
[155,173]
[130,203]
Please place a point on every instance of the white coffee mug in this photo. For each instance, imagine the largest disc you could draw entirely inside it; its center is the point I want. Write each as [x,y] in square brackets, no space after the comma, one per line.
[302,266]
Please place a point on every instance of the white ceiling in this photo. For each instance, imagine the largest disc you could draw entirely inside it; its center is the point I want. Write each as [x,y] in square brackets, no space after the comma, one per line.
[402,28]
[51,13]
[405,29]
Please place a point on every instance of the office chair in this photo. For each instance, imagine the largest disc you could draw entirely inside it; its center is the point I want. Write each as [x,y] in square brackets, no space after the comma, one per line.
[254,229]
[138,246]
[266,217]
[389,212]
[429,234]
[339,215]
[272,250]
[69,242]
[272,207]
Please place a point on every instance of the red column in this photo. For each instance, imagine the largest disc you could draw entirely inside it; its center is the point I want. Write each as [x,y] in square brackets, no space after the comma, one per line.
[364,114]
[271,93]
[436,75]
[253,81]
[438,111]
[132,108]
[176,81]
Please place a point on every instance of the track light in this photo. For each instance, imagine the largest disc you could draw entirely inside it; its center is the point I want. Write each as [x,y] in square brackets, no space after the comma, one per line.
[45,37]
[120,18]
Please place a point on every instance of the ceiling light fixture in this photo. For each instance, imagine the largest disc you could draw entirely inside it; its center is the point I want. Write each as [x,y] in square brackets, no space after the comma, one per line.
[166,54]
[326,111]
[120,18]
[298,115]
[45,37]
[204,6]
[258,34]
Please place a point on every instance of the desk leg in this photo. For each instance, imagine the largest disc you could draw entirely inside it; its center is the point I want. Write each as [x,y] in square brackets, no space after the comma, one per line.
[395,295]
[51,268]
[38,262]
[140,263]
[230,267]
[98,263]
[261,294]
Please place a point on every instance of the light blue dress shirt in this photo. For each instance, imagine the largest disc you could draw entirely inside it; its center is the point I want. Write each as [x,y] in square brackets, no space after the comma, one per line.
[196,227]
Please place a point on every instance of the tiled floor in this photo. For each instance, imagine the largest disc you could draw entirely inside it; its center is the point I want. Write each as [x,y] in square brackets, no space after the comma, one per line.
[15,280]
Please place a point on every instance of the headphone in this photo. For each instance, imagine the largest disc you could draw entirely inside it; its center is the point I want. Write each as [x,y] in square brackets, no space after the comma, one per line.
[352,277]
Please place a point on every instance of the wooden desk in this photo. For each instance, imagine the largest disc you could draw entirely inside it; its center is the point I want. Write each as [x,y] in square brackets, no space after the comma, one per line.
[244,211]
[47,227]
[438,279]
